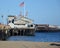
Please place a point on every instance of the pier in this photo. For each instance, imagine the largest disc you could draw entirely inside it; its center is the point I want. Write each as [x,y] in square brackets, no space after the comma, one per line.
[4,34]
[42,27]
[6,31]
[46,28]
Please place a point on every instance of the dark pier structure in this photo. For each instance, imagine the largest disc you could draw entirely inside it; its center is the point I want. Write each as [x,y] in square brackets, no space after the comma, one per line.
[46,28]
[42,27]
[21,31]
[4,34]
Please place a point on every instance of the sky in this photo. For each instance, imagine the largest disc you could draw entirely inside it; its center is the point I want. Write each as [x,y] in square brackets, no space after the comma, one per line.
[41,11]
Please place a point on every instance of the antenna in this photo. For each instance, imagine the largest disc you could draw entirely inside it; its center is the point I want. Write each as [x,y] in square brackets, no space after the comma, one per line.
[20,13]
[26,13]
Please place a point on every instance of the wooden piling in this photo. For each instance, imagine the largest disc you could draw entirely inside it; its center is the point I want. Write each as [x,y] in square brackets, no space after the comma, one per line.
[4,34]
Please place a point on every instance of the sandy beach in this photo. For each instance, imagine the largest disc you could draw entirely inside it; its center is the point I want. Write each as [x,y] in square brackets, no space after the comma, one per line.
[26,44]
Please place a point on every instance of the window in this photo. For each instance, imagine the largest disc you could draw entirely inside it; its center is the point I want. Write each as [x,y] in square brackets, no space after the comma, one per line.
[9,21]
[30,25]
[12,20]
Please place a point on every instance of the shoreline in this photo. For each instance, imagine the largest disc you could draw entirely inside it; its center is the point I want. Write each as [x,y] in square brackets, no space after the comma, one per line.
[27,44]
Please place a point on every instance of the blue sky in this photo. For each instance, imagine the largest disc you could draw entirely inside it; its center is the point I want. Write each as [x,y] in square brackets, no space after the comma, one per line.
[41,11]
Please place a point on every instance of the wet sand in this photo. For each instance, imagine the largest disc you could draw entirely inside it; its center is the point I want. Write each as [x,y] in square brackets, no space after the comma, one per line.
[26,44]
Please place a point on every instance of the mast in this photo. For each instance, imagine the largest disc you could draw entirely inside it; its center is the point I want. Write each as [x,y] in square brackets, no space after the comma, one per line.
[26,13]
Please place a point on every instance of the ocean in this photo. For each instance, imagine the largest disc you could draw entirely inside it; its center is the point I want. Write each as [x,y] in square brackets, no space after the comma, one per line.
[39,37]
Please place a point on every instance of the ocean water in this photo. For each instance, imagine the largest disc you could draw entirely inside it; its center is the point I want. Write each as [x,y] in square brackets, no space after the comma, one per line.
[39,37]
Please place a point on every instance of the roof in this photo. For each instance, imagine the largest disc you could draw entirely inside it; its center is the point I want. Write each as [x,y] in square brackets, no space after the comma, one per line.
[26,18]
[22,20]
[11,16]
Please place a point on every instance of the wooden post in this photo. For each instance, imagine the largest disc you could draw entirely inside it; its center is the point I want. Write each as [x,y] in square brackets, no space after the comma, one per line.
[20,32]
[23,32]
[13,33]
